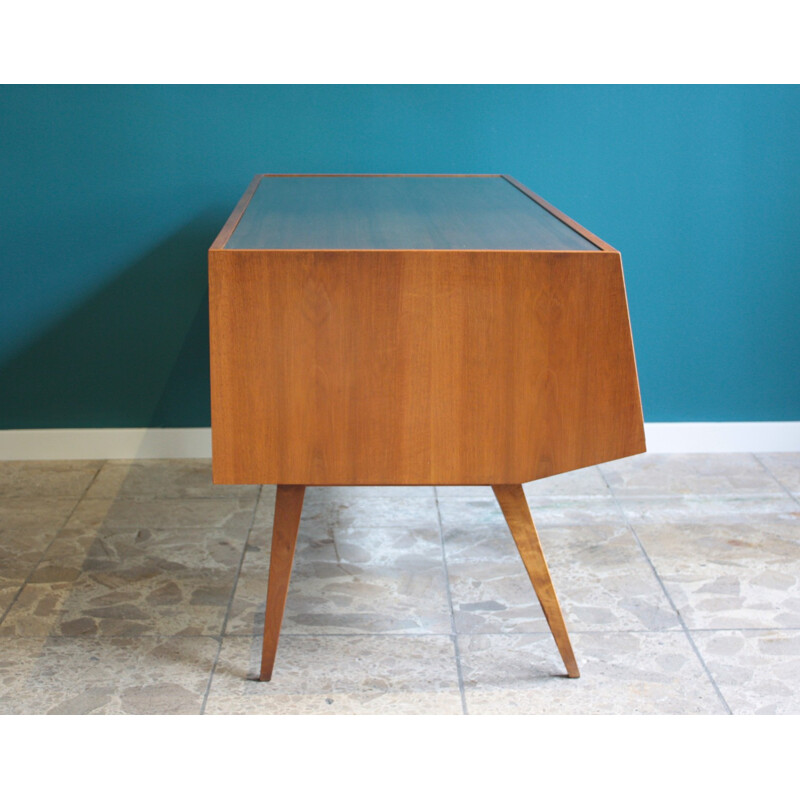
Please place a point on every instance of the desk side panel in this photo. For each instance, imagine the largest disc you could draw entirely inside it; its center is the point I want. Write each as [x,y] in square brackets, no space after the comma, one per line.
[418,367]
[533,367]
[321,368]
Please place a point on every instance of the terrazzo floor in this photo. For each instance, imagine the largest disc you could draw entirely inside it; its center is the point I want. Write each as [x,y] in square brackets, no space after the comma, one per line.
[138,587]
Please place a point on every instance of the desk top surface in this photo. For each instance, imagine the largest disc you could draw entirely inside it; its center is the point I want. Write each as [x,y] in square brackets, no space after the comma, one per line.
[399,213]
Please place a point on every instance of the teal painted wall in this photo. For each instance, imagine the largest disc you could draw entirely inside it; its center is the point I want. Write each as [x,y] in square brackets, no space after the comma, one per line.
[111,196]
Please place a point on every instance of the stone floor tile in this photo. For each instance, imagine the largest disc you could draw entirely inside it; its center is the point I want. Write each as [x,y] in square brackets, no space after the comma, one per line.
[562,511]
[8,591]
[129,582]
[579,482]
[475,513]
[46,479]
[27,527]
[587,482]
[191,512]
[156,551]
[142,675]
[621,673]
[265,508]
[481,543]
[33,514]
[785,467]
[343,494]
[382,512]
[758,672]
[21,550]
[709,509]
[351,580]
[164,478]
[484,493]
[338,675]
[331,507]
[732,575]
[601,576]
[679,474]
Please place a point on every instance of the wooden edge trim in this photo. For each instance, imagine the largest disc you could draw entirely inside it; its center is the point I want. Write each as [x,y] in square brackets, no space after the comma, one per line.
[378,175]
[640,408]
[588,235]
[233,220]
[373,250]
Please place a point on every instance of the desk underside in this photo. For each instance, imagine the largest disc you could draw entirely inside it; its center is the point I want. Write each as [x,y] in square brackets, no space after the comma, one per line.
[418,367]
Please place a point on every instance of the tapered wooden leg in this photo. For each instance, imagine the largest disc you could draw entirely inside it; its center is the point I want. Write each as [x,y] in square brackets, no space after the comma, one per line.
[288,507]
[518,516]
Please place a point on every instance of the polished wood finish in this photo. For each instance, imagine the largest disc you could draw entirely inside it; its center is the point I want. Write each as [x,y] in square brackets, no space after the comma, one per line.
[518,516]
[288,508]
[418,367]
[341,358]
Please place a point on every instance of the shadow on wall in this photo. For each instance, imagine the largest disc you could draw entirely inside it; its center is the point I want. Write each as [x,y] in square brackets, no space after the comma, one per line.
[133,355]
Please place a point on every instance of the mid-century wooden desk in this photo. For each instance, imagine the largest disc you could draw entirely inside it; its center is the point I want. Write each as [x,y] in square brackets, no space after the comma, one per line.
[416,330]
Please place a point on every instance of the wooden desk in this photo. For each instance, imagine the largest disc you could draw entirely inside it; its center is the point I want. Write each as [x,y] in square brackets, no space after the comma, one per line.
[415,330]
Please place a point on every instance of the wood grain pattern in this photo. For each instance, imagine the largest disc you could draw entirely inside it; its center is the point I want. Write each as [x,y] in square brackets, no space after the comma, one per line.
[518,516]
[419,367]
[288,508]
[449,359]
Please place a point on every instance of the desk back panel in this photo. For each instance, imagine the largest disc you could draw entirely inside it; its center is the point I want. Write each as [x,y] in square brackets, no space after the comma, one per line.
[418,367]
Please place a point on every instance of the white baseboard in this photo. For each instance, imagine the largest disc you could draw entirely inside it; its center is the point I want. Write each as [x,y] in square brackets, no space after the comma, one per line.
[722,437]
[78,443]
[130,443]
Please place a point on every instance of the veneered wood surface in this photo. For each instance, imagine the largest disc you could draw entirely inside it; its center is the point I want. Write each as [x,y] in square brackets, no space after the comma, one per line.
[419,367]
[288,509]
[405,212]
[518,516]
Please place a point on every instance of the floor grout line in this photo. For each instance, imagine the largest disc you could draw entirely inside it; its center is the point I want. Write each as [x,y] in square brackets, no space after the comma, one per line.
[385,635]
[740,629]
[97,636]
[50,544]
[231,599]
[458,640]
[454,633]
[211,676]
[776,479]
[692,643]
[241,563]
